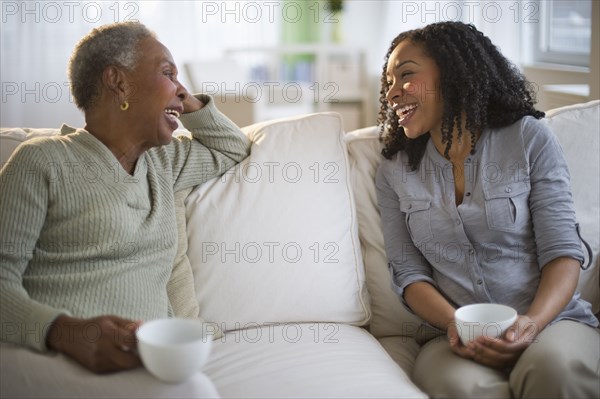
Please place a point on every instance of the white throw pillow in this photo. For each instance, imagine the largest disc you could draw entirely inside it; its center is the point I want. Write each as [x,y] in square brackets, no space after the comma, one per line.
[275,239]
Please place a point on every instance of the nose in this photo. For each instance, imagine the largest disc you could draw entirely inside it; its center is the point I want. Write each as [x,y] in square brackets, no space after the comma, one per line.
[393,93]
[181,92]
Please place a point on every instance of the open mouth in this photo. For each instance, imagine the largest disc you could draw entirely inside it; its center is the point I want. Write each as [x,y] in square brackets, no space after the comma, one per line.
[172,116]
[405,112]
[171,111]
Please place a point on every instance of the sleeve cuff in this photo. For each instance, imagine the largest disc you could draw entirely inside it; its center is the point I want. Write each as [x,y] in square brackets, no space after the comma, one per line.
[399,289]
[205,116]
[35,333]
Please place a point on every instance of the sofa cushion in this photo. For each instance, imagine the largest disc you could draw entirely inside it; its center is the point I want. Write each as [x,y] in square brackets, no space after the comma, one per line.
[29,374]
[310,360]
[275,239]
[581,151]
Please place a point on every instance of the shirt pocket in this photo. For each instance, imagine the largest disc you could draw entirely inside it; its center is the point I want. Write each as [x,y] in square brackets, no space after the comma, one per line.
[507,206]
[418,218]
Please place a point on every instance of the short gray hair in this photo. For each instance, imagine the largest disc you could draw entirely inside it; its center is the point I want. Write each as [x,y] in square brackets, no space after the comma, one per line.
[114,44]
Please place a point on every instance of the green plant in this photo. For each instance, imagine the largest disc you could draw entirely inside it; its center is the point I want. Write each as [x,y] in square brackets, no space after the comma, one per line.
[335,5]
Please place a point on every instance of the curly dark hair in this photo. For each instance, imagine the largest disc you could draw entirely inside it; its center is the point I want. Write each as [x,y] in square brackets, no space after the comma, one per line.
[475,78]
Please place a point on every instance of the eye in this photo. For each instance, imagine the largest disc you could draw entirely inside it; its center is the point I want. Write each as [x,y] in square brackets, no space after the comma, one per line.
[405,74]
[170,74]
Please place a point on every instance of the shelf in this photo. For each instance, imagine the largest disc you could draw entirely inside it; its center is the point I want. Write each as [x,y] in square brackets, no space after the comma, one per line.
[331,77]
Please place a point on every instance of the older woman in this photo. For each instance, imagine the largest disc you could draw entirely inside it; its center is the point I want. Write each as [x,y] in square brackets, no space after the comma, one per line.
[88,220]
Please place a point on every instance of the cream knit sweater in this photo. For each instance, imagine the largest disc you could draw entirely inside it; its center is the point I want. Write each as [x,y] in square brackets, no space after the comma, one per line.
[80,236]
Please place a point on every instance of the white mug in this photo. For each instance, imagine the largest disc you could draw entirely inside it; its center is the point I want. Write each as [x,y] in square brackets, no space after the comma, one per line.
[489,319]
[173,349]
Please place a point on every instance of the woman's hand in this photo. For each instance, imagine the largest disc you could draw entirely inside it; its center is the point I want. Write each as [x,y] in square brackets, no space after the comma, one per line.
[501,353]
[190,103]
[456,344]
[103,344]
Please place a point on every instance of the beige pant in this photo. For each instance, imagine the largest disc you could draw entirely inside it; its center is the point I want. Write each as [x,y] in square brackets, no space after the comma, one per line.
[564,362]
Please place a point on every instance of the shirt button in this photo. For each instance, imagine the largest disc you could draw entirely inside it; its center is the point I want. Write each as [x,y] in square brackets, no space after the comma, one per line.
[508,189]
[479,282]
[409,206]
[468,194]
[458,222]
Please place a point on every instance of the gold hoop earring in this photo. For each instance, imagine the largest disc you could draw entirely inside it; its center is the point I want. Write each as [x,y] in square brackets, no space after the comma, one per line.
[124,106]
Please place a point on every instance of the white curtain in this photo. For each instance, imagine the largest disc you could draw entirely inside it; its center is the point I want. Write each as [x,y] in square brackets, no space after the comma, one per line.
[37,38]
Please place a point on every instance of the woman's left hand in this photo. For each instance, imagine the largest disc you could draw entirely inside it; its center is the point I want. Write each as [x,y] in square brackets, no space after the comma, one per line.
[502,353]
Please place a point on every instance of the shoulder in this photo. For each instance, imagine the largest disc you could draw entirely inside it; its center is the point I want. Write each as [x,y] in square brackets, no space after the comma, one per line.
[528,131]
[387,166]
[391,172]
[32,159]
[72,146]
[527,125]
[531,126]
[533,136]
[37,147]
[537,135]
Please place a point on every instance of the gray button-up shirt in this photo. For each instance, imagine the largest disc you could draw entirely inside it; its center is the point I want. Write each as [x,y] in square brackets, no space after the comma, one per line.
[516,216]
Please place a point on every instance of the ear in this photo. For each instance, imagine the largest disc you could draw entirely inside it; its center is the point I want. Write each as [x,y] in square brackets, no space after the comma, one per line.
[115,81]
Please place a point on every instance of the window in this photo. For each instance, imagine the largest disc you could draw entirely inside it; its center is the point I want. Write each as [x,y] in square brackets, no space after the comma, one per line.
[564,33]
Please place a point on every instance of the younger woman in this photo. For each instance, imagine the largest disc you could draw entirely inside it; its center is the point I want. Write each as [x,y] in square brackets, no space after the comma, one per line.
[476,207]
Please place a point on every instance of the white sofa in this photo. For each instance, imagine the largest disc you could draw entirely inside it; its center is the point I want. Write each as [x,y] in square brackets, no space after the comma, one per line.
[287,257]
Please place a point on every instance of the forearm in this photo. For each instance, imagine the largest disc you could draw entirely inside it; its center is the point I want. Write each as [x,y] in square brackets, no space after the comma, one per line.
[557,285]
[427,302]
[24,321]
[216,132]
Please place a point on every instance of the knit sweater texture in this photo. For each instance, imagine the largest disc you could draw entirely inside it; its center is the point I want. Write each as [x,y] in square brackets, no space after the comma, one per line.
[82,237]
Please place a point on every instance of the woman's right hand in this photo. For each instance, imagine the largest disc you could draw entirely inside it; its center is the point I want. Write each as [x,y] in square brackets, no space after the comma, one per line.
[456,344]
[499,353]
[103,344]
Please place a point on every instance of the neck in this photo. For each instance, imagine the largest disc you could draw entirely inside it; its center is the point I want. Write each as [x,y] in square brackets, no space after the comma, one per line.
[459,149]
[117,138]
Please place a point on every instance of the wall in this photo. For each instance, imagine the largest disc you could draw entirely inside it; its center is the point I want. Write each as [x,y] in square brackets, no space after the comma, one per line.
[595,55]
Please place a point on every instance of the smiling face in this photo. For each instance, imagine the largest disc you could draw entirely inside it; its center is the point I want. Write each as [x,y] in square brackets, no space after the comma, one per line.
[154,94]
[414,90]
